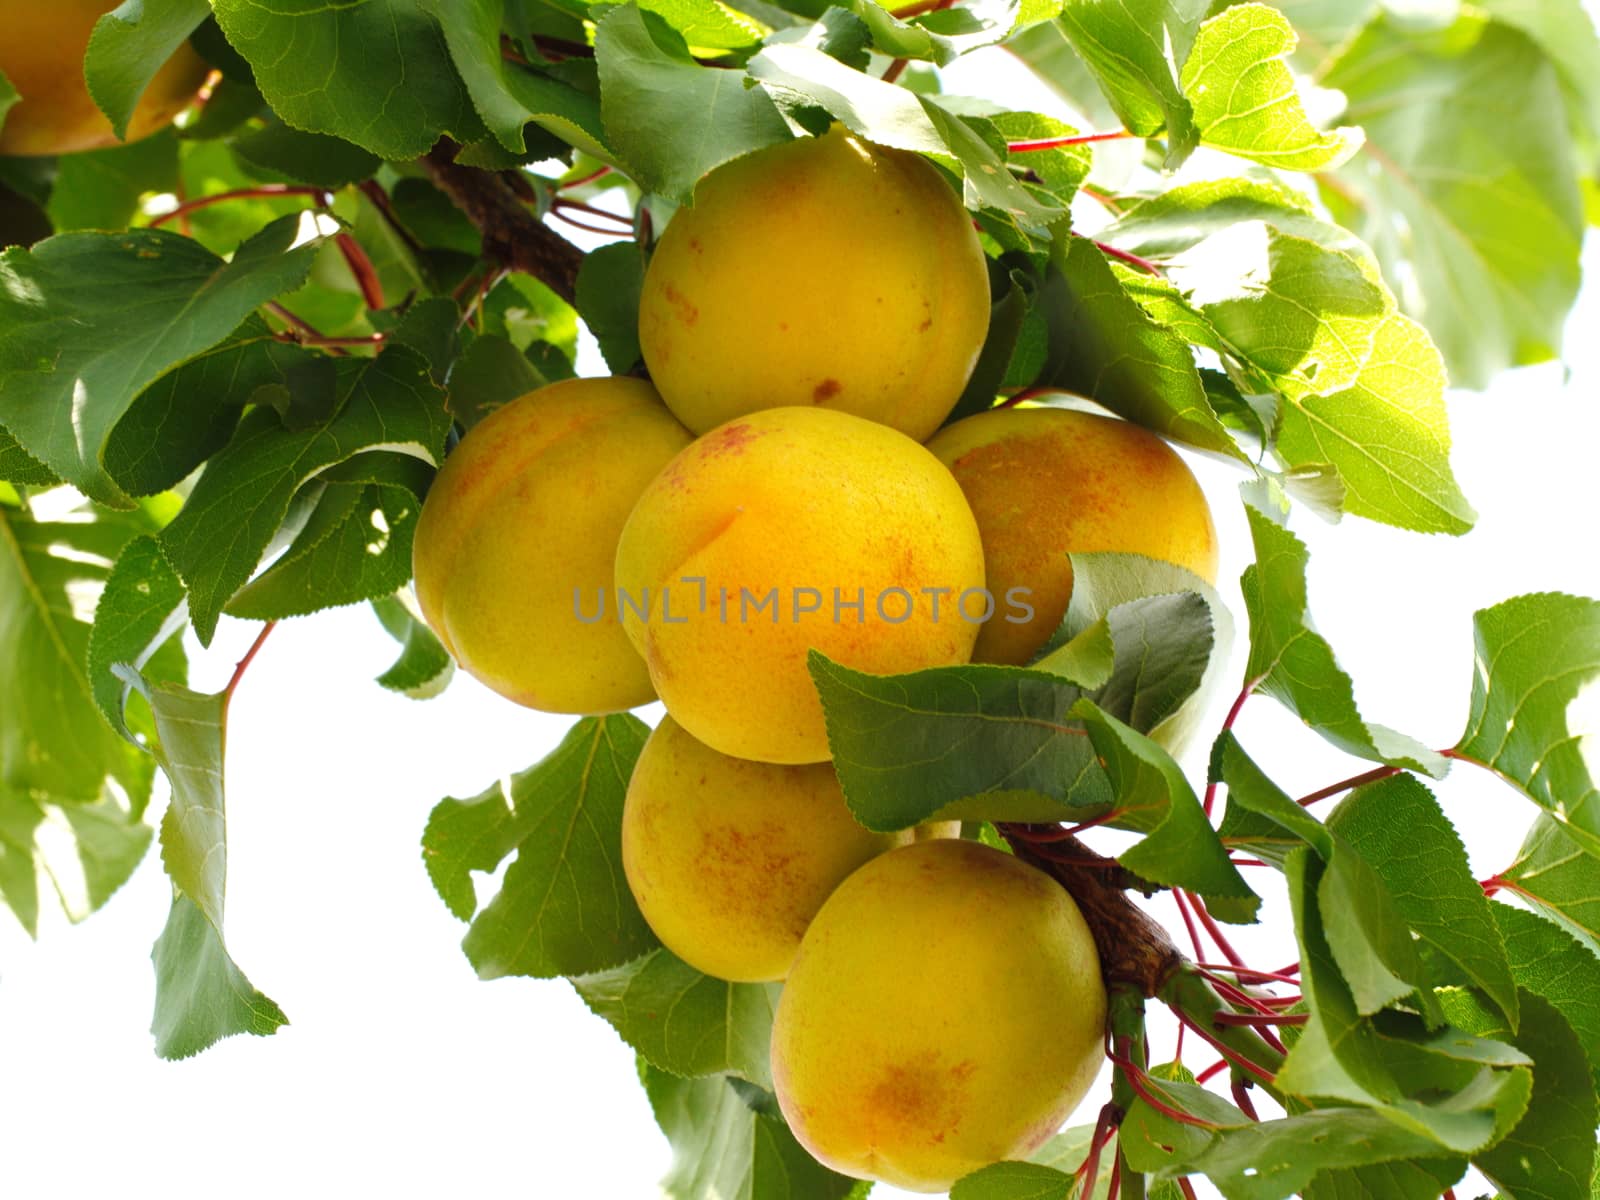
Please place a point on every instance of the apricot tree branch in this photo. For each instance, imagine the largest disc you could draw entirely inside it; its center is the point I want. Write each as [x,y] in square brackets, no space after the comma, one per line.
[1134,947]
[513,237]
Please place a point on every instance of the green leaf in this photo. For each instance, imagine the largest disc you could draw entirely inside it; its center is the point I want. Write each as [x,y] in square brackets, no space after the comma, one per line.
[1398,828]
[1104,346]
[609,285]
[1387,434]
[1016,1181]
[201,995]
[355,546]
[1170,222]
[377,74]
[1424,1179]
[1002,738]
[1565,32]
[1468,188]
[1535,654]
[314,158]
[189,414]
[1261,818]
[1551,962]
[20,467]
[424,668]
[129,45]
[8,96]
[73,359]
[240,501]
[508,95]
[1135,49]
[1292,662]
[685,1022]
[1180,849]
[59,761]
[563,907]
[1557,874]
[1243,94]
[670,119]
[491,372]
[101,189]
[731,1147]
[140,609]
[708,24]
[1302,315]
[1007,313]
[1550,1155]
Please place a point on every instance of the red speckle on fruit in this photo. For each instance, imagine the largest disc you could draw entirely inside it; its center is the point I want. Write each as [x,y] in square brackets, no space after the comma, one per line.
[825,391]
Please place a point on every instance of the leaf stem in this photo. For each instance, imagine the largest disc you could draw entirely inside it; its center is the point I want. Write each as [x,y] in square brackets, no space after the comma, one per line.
[598,173]
[1258,1019]
[1137,1078]
[243,664]
[894,70]
[1228,721]
[1077,139]
[366,275]
[921,7]
[1241,1097]
[1345,785]
[265,191]
[1133,260]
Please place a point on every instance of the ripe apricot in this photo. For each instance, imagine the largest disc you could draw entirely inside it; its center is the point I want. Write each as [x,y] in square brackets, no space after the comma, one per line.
[42,55]
[782,531]
[1044,482]
[945,1011]
[827,271]
[516,541]
[730,859]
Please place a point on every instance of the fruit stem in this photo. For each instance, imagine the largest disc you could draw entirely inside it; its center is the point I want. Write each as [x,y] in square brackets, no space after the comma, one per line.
[1077,139]
[265,191]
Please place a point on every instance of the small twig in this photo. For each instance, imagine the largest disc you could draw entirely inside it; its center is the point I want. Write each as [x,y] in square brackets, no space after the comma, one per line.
[266,191]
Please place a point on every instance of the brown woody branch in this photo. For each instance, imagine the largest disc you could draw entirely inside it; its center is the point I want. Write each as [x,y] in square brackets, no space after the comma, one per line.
[513,237]
[1134,947]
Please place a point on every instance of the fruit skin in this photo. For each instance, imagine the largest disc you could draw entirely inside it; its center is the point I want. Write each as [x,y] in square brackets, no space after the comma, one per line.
[1046,481]
[825,271]
[526,510]
[945,1011]
[789,499]
[42,55]
[730,859]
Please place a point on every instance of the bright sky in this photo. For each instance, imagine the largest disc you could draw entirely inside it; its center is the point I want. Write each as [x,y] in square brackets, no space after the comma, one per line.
[402,1075]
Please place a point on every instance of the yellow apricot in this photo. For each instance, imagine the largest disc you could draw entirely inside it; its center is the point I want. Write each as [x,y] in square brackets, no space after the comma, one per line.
[516,541]
[42,55]
[730,859]
[945,1011]
[782,531]
[1044,482]
[827,271]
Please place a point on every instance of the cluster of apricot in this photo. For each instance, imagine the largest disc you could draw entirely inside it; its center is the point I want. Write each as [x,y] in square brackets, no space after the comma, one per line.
[602,542]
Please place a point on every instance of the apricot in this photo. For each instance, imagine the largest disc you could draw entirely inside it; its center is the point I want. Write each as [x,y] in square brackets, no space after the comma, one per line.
[945,1011]
[730,859]
[827,271]
[1044,482]
[42,55]
[779,532]
[515,544]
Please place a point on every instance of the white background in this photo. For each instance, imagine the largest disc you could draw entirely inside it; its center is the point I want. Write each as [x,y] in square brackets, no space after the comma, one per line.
[402,1075]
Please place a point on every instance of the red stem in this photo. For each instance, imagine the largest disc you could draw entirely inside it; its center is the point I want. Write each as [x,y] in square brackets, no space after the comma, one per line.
[1345,785]
[1114,1188]
[1186,1187]
[1077,139]
[580,206]
[894,70]
[1249,972]
[366,275]
[1136,1078]
[1217,936]
[1213,1070]
[1247,862]
[918,9]
[1133,260]
[1227,723]
[264,191]
[1241,1097]
[373,191]
[1257,1020]
[584,225]
[1188,921]
[1089,1169]
[243,664]
[1222,1048]
[597,173]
